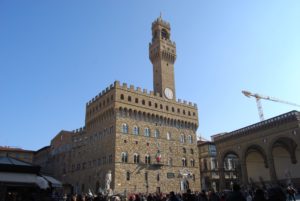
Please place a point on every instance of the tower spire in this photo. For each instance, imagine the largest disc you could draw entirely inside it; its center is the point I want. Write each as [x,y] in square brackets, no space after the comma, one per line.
[162,53]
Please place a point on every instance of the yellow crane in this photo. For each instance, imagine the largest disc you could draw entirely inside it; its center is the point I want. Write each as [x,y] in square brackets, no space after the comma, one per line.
[258,102]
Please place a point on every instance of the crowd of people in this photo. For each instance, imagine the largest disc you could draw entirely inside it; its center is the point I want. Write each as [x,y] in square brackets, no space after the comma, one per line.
[271,194]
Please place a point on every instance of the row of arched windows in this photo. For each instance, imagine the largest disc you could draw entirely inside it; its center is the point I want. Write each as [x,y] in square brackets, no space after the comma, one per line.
[136,131]
[156,105]
[147,159]
[147,133]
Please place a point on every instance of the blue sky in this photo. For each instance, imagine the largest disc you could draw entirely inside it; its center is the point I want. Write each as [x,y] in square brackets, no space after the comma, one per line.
[56,55]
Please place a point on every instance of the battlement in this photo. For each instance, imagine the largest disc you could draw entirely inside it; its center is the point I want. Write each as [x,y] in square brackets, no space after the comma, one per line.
[79,130]
[160,21]
[266,124]
[102,93]
[145,92]
[132,88]
[169,42]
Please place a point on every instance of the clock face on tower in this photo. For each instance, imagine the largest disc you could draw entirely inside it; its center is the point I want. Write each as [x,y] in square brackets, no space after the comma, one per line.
[168,93]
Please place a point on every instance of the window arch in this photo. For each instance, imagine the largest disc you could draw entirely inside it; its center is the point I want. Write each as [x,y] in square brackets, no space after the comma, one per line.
[164,34]
[129,99]
[170,162]
[156,133]
[192,151]
[128,176]
[124,156]
[122,96]
[182,138]
[136,130]
[124,128]
[183,160]
[168,136]
[192,162]
[190,139]
[184,150]
[147,159]
[136,158]
[147,132]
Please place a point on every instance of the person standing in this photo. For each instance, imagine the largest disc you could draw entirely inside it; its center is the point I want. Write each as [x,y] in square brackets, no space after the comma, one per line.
[236,194]
[291,192]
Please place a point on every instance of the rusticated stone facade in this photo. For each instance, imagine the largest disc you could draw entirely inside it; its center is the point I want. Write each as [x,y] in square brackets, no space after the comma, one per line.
[146,139]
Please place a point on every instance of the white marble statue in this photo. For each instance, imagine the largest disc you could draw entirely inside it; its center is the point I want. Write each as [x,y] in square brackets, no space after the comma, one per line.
[107,180]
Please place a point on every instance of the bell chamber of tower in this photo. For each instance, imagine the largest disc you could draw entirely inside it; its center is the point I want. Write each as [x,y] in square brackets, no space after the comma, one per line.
[162,53]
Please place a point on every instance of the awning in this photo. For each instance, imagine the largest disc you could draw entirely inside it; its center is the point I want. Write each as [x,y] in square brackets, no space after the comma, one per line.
[18,177]
[23,178]
[54,183]
[28,178]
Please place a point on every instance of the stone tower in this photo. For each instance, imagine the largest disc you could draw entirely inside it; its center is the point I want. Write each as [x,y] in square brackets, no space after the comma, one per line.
[146,139]
[162,53]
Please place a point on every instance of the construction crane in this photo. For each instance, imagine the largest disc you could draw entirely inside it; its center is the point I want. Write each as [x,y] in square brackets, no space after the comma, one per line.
[258,102]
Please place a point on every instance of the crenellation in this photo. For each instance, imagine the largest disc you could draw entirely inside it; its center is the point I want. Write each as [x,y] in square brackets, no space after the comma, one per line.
[122,104]
[124,86]
[117,83]
[139,89]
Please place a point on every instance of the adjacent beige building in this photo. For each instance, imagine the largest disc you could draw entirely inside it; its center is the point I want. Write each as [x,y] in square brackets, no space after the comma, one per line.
[263,154]
[17,153]
[147,139]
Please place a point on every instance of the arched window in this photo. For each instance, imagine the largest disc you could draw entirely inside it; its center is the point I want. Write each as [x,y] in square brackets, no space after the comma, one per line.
[182,139]
[184,150]
[136,158]
[127,176]
[190,139]
[124,156]
[170,162]
[147,159]
[164,34]
[156,133]
[168,136]
[136,130]
[122,96]
[147,132]
[184,162]
[129,98]
[192,162]
[192,151]
[124,128]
